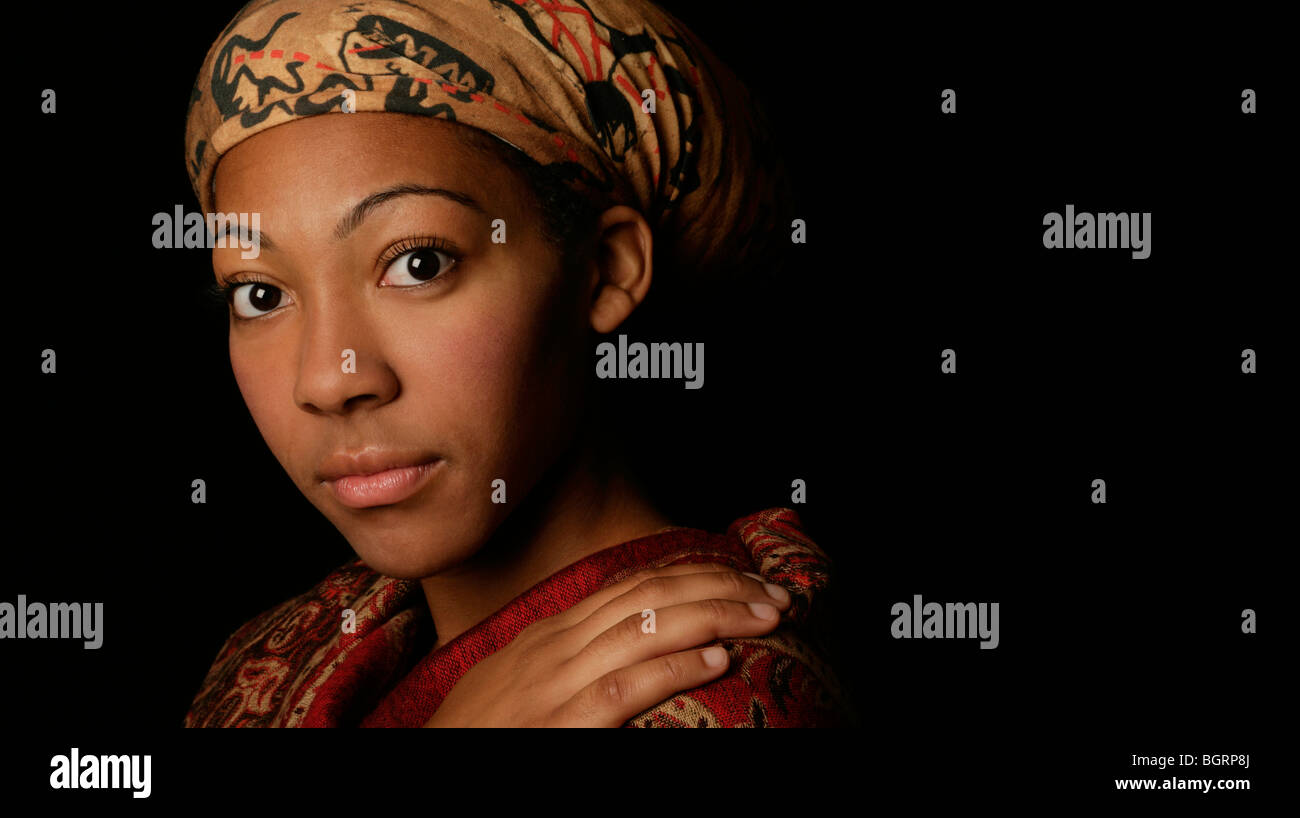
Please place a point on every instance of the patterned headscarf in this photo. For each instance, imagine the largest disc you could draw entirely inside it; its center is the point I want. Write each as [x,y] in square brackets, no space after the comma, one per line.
[562,82]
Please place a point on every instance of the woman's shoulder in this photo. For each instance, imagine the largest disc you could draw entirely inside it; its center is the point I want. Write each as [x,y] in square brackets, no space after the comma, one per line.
[783,679]
[309,617]
[778,680]
[260,673]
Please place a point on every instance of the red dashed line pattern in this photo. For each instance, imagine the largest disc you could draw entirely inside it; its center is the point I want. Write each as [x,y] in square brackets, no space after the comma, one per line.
[558,28]
[449,88]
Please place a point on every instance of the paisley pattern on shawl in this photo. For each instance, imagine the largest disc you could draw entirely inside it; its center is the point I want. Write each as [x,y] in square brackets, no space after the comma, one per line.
[294,665]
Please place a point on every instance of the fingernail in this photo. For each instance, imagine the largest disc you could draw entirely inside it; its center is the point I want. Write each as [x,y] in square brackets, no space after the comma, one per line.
[755,576]
[714,657]
[763,611]
[777,592]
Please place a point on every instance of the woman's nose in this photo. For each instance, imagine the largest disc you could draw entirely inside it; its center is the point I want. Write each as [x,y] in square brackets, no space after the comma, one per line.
[341,365]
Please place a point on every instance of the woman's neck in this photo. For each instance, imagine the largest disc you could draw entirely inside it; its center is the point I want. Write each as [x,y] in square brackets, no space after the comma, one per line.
[582,506]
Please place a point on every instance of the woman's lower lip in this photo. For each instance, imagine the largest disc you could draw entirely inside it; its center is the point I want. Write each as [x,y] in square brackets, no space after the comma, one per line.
[382,488]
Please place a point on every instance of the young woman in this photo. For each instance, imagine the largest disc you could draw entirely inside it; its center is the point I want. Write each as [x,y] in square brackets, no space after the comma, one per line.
[456,202]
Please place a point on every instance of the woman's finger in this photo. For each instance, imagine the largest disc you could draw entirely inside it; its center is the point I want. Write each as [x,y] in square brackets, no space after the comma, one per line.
[580,611]
[615,698]
[676,628]
[660,592]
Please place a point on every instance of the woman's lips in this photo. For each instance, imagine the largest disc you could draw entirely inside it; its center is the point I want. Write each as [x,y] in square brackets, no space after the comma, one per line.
[381,488]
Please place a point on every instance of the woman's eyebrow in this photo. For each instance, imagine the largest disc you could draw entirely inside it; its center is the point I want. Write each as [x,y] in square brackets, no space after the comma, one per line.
[244,233]
[363,208]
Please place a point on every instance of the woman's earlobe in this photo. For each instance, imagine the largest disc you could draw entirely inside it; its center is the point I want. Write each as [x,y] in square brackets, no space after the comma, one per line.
[624,266]
[610,308]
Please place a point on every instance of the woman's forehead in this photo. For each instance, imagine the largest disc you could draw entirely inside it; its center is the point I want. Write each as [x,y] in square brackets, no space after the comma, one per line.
[340,152]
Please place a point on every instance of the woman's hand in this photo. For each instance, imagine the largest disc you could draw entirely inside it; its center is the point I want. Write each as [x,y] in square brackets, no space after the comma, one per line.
[595,665]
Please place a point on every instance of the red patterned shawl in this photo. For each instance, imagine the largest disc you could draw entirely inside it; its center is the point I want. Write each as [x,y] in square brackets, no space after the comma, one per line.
[294,666]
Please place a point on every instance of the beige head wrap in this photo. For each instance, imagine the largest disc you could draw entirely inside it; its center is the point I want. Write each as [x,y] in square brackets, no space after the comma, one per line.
[564,82]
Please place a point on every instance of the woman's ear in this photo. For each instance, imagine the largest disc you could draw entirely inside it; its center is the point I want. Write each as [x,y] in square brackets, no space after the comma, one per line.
[622,266]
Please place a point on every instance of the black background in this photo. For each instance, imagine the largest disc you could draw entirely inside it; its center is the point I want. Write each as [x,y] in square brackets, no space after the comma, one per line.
[1120,623]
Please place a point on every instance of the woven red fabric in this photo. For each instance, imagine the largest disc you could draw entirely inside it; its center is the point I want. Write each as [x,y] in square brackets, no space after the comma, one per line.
[294,666]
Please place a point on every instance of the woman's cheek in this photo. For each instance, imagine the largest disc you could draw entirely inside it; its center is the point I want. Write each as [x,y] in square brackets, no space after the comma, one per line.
[268,392]
[487,377]
[486,351]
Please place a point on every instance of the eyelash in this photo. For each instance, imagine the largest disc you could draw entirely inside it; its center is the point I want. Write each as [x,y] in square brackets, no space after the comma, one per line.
[406,245]
[225,292]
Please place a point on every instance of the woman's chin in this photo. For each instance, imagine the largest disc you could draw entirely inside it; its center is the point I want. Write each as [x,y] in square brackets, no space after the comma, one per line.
[410,555]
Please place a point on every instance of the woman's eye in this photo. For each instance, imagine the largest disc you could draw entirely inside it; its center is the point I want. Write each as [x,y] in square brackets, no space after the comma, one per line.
[417,266]
[256,299]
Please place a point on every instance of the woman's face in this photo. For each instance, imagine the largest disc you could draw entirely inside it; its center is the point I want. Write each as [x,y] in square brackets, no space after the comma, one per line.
[363,350]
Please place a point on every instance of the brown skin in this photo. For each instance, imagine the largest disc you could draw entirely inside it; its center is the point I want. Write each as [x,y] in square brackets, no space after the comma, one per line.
[487,365]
